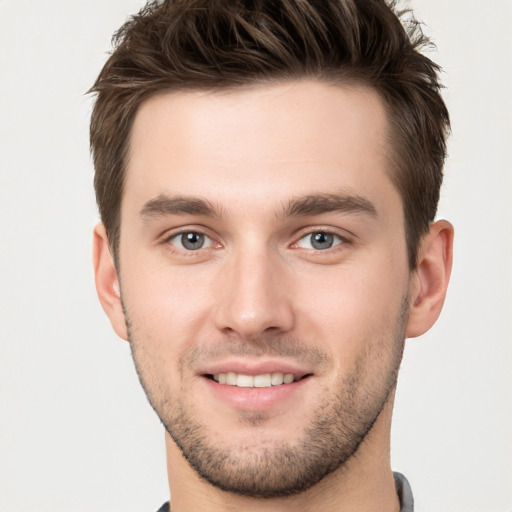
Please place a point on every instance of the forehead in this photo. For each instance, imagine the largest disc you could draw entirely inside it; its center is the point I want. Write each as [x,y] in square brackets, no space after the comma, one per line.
[269,142]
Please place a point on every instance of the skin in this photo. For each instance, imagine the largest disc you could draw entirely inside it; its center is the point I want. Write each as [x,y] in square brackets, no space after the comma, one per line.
[236,166]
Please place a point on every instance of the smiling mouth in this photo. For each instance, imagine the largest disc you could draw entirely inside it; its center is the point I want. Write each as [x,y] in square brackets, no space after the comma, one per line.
[265,380]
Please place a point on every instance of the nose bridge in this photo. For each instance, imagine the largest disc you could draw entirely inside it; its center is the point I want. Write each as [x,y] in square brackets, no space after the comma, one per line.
[253,294]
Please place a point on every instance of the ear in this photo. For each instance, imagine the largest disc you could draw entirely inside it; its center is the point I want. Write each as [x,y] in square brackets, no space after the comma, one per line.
[107,282]
[430,278]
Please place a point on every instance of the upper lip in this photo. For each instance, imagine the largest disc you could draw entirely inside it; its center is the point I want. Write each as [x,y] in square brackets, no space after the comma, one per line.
[248,367]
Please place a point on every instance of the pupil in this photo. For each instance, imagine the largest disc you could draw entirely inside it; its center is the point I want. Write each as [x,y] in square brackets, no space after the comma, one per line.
[322,240]
[192,240]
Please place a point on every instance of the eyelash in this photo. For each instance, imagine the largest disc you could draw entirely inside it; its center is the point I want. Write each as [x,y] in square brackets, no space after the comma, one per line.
[189,252]
[311,232]
[167,241]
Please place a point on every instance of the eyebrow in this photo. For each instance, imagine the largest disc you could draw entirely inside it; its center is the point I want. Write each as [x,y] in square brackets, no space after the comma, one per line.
[311,204]
[318,204]
[163,205]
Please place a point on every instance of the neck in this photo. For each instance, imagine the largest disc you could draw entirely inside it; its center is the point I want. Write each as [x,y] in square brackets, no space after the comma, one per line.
[364,484]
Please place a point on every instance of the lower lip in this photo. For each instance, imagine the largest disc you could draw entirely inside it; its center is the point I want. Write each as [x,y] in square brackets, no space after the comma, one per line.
[255,398]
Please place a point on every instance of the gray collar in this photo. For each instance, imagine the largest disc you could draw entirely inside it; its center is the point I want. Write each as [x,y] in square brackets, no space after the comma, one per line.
[404,492]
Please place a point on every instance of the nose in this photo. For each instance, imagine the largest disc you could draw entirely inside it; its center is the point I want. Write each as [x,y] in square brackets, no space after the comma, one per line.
[254,296]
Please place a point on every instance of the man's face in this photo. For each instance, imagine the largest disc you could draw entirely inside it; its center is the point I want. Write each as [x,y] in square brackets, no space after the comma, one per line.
[262,242]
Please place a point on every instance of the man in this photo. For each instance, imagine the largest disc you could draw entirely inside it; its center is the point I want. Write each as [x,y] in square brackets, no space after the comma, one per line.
[267,174]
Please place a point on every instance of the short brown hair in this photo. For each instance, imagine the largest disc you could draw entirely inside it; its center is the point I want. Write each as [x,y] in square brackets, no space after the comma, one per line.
[219,44]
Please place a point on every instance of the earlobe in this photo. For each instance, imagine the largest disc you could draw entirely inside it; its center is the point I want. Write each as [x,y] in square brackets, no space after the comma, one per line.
[430,279]
[107,282]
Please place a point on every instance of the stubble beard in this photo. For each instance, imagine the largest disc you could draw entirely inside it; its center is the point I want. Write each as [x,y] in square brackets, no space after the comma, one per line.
[339,425]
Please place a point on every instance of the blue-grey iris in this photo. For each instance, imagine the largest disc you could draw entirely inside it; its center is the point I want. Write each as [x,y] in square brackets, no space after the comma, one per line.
[321,241]
[192,241]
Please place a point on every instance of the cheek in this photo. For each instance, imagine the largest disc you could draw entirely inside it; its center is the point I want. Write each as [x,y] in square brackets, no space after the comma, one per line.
[355,306]
[165,319]
[165,303]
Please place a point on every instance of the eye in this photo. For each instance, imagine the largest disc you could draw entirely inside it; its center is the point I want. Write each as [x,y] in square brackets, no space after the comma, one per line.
[319,241]
[191,241]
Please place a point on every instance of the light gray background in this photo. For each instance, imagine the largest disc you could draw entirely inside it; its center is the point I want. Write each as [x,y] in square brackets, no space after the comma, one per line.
[76,433]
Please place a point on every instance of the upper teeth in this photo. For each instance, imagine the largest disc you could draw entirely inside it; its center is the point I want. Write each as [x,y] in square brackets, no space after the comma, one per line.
[264,380]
